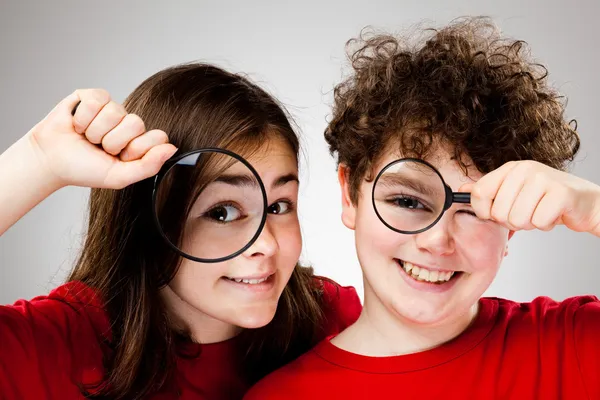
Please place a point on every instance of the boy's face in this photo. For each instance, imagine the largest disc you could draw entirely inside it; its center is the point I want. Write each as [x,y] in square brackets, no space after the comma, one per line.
[459,244]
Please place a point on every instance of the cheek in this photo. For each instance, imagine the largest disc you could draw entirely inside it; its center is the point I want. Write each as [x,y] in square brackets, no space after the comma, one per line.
[484,246]
[373,239]
[194,281]
[289,238]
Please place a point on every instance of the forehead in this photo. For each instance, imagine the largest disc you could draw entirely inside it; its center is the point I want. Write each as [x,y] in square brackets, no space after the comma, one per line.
[275,151]
[440,157]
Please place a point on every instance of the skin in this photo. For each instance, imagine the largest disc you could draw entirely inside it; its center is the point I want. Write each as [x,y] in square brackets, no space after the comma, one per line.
[213,307]
[470,240]
[102,146]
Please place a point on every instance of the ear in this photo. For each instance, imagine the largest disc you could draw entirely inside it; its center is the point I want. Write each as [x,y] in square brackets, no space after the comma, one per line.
[348,208]
[510,235]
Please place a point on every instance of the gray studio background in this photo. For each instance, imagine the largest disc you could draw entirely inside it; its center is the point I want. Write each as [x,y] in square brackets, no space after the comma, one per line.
[296,51]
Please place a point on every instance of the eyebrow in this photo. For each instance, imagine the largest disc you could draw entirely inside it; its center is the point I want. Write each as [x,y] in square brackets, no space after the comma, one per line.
[282,180]
[250,181]
[238,180]
[391,180]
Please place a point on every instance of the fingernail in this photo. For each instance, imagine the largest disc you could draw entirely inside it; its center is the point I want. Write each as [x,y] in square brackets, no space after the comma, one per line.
[168,155]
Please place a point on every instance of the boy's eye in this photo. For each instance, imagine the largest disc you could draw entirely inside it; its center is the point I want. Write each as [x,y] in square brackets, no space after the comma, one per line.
[280,207]
[408,203]
[468,212]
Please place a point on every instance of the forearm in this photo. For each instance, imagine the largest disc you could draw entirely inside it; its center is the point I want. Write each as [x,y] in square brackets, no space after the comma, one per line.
[24,182]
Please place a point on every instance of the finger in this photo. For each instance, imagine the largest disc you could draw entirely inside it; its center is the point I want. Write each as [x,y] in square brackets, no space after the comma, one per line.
[129,128]
[547,213]
[92,101]
[506,196]
[123,174]
[485,190]
[524,206]
[106,120]
[142,144]
[466,188]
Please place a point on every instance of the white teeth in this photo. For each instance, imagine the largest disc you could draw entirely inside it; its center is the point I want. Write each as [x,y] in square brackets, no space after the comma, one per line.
[434,275]
[422,274]
[249,281]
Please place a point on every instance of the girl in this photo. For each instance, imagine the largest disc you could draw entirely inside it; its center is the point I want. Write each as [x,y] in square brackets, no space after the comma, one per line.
[136,320]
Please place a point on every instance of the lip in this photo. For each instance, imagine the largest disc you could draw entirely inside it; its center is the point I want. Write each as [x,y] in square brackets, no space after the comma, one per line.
[426,286]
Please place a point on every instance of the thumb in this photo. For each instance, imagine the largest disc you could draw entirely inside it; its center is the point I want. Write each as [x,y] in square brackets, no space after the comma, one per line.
[126,173]
[467,188]
[65,107]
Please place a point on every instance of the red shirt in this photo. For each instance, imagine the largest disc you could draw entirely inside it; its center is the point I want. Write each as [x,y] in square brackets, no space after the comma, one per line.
[540,350]
[49,346]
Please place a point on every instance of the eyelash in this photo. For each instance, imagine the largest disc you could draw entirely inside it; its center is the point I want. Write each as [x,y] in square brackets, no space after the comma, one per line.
[289,203]
[408,196]
[468,212]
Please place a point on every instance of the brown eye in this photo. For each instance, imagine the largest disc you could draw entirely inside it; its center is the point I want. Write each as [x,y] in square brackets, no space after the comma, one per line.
[223,213]
[281,207]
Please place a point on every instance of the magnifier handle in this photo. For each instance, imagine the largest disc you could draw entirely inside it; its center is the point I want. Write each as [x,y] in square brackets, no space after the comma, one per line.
[463,198]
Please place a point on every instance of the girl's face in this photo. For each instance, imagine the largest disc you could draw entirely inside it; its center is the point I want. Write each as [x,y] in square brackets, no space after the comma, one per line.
[213,301]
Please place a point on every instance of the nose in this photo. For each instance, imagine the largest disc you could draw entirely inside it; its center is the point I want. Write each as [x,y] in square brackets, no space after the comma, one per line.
[438,239]
[265,245]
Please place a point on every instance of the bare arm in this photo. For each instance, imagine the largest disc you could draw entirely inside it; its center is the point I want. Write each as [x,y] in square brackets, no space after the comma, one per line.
[24,182]
[100,146]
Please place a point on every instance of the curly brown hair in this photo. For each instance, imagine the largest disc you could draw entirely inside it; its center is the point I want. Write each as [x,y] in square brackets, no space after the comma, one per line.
[463,85]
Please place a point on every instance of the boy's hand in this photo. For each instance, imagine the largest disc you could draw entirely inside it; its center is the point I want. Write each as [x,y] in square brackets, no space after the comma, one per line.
[526,195]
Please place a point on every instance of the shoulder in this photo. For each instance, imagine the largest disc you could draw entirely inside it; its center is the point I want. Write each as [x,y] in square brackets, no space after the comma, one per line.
[60,333]
[69,303]
[543,317]
[70,313]
[546,308]
[341,305]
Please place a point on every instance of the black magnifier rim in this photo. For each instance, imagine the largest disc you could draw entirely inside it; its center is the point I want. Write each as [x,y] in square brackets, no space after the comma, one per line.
[447,191]
[170,164]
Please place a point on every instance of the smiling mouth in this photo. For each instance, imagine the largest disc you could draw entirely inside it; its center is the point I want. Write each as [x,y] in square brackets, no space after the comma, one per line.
[250,281]
[425,275]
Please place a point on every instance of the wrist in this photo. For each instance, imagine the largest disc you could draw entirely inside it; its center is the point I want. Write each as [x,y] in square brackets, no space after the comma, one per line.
[35,167]
[596,217]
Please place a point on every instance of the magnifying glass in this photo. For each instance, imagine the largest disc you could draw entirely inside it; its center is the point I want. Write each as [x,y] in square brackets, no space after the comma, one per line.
[410,196]
[209,205]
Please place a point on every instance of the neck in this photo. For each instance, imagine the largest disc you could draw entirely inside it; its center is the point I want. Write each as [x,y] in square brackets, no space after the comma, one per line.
[201,327]
[380,332]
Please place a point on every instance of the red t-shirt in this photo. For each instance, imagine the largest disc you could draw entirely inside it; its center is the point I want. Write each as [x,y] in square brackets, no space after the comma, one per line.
[52,345]
[540,350]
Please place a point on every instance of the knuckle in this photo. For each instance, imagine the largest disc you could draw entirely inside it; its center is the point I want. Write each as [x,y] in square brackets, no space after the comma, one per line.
[136,123]
[162,137]
[101,95]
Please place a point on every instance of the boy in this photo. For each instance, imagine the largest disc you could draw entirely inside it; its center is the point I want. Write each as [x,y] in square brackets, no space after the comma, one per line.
[473,106]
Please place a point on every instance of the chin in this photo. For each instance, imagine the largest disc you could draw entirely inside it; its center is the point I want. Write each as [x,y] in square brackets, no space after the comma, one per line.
[421,314]
[255,318]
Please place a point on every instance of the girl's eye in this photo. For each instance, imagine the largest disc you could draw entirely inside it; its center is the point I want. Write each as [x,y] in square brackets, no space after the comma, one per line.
[223,213]
[281,207]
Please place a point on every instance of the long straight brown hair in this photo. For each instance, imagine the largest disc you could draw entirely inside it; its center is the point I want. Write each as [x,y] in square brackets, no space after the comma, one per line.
[125,260]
